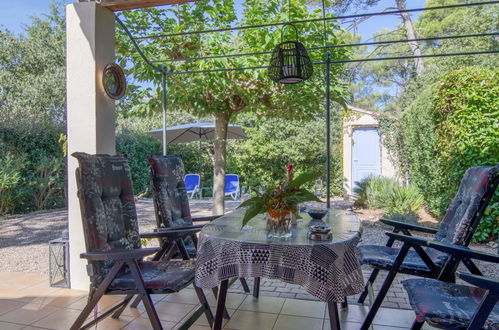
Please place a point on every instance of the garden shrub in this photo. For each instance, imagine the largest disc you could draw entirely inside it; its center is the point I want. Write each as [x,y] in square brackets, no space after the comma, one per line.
[10,176]
[389,195]
[451,126]
[39,160]
[136,146]
[276,142]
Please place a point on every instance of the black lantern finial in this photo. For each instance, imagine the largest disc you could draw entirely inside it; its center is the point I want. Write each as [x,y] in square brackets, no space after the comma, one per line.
[290,63]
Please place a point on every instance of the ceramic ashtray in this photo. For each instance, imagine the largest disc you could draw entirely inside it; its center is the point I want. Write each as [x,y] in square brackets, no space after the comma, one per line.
[320,233]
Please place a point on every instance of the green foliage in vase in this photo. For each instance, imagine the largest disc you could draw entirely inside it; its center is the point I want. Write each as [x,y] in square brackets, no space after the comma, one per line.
[282,199]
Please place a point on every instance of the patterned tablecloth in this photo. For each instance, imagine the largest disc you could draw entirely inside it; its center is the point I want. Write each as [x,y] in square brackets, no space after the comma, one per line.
[327,270]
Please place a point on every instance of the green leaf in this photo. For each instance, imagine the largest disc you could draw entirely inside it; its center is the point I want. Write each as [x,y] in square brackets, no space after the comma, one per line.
[250,213]
[303,178]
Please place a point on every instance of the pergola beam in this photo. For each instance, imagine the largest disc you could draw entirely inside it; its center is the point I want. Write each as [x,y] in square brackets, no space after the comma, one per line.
[116,5]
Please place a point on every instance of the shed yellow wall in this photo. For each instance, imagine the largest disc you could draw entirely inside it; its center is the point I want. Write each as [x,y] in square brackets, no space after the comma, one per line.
[349,124]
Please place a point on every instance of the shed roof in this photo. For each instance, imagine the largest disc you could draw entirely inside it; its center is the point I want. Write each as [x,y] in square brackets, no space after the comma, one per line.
[116,5]
[370,112]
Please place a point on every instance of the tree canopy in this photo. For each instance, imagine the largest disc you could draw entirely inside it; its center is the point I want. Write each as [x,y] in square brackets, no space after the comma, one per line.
[225,95]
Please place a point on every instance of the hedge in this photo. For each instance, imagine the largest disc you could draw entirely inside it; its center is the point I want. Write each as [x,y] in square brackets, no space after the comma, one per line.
[451,126]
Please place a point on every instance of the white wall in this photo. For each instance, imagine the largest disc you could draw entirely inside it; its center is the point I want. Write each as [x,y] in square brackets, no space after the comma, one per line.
[90,113]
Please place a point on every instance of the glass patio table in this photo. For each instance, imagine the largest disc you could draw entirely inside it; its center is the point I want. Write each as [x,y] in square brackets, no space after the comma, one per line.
[329,270]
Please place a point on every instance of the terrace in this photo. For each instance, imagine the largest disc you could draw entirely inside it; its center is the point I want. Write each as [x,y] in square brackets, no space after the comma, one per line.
[33,304]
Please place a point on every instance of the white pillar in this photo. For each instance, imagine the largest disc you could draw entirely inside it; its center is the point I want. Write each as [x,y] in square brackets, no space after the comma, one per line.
[91,116]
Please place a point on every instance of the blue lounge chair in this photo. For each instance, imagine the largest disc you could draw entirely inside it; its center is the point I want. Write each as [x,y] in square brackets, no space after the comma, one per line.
[232,188]
[192,182]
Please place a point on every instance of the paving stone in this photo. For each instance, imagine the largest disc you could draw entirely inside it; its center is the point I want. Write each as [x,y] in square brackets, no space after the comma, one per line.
[287,295]
[405,306]
[389,304]
[270,294]
[306,297]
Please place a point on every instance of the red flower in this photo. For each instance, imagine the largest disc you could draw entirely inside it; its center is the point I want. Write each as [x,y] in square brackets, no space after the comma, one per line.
[290,172]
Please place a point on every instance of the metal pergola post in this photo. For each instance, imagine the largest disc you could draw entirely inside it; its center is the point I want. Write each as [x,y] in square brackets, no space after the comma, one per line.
[163,88]
[328,129]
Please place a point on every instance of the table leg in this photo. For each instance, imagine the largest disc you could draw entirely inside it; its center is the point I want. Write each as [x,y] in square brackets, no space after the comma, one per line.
[256,287]
[334,319]
[222,295]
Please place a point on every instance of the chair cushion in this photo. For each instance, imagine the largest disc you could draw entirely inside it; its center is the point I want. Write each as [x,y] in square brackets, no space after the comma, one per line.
[170,196]
[108,206]
[109,217]
[383,257]
[447,305]
[462,214]
[158,276]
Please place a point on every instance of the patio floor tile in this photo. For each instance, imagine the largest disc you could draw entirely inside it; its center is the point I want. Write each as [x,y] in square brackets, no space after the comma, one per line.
[344,325]
[141,323]
[9,305]
[289,322]
[23,279]
[304,308]
[10,326]
[247,320]
[172,312]
[402,318]
[263,304]
[233,301]
[354,313]
[111,324]
[202,321]
[38,306]
[199,327]
[62,319]
[105,302]
[186,296]
[28,314]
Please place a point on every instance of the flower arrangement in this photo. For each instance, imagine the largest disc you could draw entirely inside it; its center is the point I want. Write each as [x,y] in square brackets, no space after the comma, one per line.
[281,200]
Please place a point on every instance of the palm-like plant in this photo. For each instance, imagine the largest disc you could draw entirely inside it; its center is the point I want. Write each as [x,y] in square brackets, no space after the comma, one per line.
[281,200]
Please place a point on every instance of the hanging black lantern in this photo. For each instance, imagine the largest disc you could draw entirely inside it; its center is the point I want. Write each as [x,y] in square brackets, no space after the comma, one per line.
[290,63]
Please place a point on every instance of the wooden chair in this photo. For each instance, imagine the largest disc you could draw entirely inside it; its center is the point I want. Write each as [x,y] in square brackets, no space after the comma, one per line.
[113,245]
[456,306]
[172,211]
[457,227]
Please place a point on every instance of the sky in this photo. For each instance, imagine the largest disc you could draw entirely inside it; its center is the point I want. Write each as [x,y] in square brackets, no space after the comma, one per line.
[14,14]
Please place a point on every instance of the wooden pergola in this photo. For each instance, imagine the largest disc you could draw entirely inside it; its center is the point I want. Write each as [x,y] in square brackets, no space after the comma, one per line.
[117,5]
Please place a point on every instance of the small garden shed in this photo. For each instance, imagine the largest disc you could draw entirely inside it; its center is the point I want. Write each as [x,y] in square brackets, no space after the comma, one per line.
[364,154]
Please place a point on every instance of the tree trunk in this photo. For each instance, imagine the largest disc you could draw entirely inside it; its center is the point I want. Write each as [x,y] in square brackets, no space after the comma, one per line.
[220,162]
[411,34]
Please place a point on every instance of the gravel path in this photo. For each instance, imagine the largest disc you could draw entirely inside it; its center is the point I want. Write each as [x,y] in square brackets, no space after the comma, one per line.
[24,238]
[24,247]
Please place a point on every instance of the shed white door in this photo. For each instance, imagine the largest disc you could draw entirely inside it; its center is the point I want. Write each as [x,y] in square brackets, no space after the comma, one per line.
[366,153]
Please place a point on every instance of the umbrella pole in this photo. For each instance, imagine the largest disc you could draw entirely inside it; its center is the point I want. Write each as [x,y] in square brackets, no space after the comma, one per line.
[199,157]
[163,87]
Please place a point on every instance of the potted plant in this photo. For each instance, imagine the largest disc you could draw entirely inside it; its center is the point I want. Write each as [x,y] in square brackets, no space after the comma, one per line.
[280,203]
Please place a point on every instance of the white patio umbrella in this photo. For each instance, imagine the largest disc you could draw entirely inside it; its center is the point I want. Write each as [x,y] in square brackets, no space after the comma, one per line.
[198,131]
